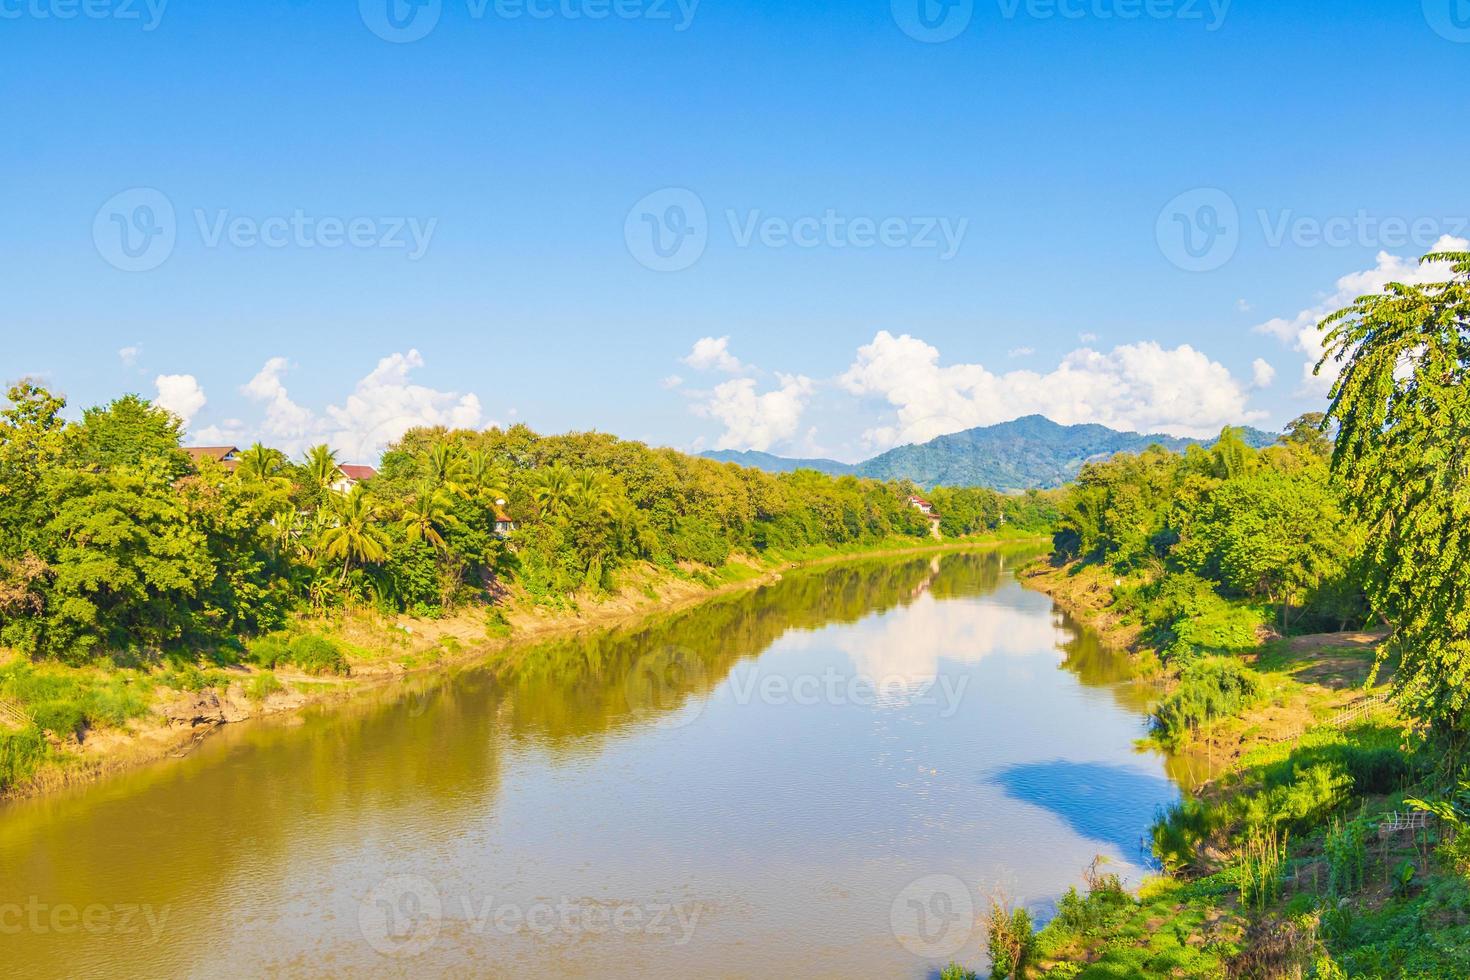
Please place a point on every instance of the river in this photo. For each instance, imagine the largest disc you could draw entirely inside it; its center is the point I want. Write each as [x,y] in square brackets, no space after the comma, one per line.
[826,776]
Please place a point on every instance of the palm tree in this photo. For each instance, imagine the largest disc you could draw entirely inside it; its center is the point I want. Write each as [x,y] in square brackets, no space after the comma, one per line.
[552,488]
[260,463]
[591,491]
[443,465]
[485,478]
[321,467]
[354,534]
[426,515]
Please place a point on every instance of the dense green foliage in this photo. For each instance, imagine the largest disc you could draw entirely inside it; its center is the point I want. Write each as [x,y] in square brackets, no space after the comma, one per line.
[116,545]
[1269,527]
[1303,840]
[1402,403]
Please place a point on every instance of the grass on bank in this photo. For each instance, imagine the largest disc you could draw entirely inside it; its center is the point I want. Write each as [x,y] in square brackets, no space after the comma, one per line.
[1276,866]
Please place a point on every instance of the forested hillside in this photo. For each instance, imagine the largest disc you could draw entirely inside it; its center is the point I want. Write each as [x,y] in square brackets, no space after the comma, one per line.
[1026,453]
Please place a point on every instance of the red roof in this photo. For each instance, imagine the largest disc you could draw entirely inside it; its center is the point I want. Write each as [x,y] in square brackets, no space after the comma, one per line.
[358,473]
[217,453]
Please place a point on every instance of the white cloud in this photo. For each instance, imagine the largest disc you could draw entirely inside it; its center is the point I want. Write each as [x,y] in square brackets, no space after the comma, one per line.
[381,408]
[1020,352]
[1142,387]
[1300,332]
[671,382]
[385,405]
[1242,306]
[1262,373]
[713,354]
[180,394]
[129,355]
[287,425]
[1087,337]
[757,420]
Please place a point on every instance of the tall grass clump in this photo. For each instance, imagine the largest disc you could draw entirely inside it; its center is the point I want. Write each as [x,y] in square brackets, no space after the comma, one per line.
[1208,688]
[20,753]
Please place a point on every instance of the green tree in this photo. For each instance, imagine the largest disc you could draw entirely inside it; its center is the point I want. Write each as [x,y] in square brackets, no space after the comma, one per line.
[1402,407]
[320,469]
[354,533]
[129,432]
[427,515]
[259,463]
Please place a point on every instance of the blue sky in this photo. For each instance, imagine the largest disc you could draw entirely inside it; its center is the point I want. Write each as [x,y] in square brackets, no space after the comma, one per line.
[898,233]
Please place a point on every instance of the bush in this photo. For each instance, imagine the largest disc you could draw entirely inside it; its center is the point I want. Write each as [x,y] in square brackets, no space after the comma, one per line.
[1179,832]
[1188,617]
[318,655]
[60,718]
[20,753]
[696,539]
[1208,689]
[267,651]
[262,686]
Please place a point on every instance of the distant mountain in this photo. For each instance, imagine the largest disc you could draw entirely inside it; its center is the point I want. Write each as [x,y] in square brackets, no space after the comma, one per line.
[1027,452]
[779,464]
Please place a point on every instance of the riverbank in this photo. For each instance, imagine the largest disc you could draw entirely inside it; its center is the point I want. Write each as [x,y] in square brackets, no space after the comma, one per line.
[165,712]
[1287,857]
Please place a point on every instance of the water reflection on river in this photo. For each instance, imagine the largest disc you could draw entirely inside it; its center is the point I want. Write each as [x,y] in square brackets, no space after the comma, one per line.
[815,779]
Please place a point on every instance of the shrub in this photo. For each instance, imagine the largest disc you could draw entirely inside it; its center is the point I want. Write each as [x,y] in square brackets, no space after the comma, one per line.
[956,972]
[1208,689]
[1188,617]
[1347,859]
[267,651]
[20,753]
[318,655]
[59,717]
[1011,941]
[696,539]
[262,686]
[496,625]
[1178,833]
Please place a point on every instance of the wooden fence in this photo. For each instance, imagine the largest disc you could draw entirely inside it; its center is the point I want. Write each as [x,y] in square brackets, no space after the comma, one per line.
[13,715]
